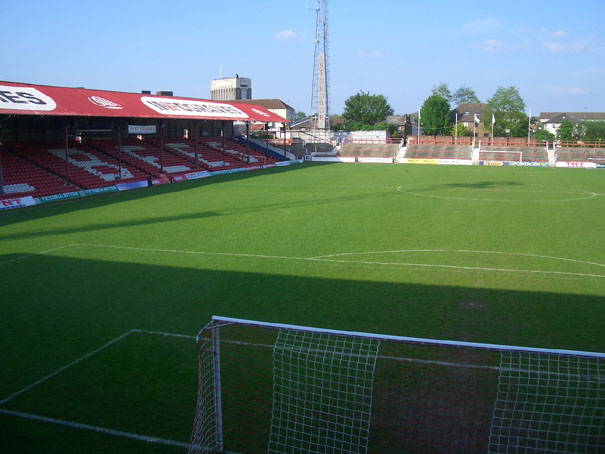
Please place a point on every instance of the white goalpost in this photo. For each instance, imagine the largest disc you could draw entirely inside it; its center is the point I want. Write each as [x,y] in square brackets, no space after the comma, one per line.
[275,388]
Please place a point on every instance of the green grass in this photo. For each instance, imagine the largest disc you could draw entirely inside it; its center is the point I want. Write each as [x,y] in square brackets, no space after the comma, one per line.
[499,255]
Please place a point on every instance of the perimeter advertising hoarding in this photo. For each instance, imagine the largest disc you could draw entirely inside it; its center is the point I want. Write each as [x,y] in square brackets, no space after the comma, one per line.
[142,129]
[17,202]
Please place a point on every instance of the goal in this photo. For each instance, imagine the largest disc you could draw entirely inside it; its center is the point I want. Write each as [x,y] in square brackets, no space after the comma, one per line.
[274,388]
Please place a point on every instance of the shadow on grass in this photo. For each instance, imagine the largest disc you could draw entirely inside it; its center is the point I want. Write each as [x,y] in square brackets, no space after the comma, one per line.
[113,224]
[57,309]
[480,185]
[8,217]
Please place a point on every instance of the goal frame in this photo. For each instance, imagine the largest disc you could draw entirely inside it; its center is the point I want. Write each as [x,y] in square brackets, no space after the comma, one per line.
[220,321]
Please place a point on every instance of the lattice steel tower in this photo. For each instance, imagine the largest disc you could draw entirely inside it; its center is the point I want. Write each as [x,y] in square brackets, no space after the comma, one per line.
[320,118]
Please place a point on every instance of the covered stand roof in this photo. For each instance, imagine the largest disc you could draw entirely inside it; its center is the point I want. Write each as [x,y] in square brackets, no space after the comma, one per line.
[28,99]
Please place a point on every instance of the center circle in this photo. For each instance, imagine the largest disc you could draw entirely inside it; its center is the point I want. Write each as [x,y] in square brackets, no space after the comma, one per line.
[486,191]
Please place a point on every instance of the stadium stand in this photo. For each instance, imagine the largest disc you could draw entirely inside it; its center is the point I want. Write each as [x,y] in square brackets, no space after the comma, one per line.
[22,178]
[439,151]
[210,153]
[38,169]
[439,147]
[580,151]
[369,150]
[87,168]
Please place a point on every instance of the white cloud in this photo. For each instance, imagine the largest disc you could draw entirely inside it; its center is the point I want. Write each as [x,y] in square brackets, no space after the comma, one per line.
[558,90]
[560,34]
[556,46]
[482,25]
[372,54]
[553,46]
[286,35]
[492,46]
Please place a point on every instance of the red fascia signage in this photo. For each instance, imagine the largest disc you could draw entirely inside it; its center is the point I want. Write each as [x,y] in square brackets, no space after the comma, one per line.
[27,99]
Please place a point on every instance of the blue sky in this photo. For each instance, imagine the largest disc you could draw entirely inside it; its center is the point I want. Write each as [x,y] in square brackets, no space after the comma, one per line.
[553,52]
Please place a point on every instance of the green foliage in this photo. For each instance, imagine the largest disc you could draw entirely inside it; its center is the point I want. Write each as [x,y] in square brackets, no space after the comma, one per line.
[435,115]
[442,90]
[508,124]
[567,131]
[592,130]
[300,115]
[463,131]
[464,95]
[337,123]
[507,99]
[542,135]
[365,109]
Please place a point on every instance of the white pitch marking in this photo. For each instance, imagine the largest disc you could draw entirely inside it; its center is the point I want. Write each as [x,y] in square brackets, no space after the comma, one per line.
[461,251]
[458,267]
[103,430]
[38,253]
[180,251]
[161,333]
[360,262]
[592,195]
[61,369]
[317,186]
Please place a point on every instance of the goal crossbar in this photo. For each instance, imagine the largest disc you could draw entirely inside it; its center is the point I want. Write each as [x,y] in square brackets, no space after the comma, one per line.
[418,340]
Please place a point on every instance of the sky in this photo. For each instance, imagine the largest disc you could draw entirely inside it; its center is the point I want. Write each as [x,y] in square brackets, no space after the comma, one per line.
[553,52]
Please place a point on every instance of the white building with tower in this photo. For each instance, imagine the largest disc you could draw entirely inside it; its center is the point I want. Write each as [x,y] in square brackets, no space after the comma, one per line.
[231,89]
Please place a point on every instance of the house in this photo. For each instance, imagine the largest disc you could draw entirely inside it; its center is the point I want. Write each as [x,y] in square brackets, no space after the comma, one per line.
[277,106]
[552,120]
[465,113]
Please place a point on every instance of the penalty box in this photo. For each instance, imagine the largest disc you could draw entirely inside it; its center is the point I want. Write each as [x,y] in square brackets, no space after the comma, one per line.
[140,385]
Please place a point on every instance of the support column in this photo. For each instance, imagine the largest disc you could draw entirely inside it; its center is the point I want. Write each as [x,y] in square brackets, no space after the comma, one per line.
[66,156]
[223,136]
[1,183]
[248,142]
[285,140]
[195,125]
[120,149]
[162,146]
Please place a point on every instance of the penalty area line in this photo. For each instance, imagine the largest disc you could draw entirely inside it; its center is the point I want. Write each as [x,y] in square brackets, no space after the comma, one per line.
[103,430]
[22,257]
[61,369]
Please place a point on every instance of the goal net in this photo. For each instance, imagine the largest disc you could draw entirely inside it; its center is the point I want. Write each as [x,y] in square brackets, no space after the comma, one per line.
[276,388]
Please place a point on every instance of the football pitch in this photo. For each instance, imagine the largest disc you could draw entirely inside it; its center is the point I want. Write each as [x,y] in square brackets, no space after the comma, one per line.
[102,297]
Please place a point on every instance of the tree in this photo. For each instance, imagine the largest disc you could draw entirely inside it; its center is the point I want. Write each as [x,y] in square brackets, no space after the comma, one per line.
[463,131]
[507,100]
[566,131]
[300,115]
[592,130]
[435,115]
[442,90]
[337,123]
[508,124]
[464,95]
[365,109]
[542,135]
